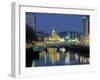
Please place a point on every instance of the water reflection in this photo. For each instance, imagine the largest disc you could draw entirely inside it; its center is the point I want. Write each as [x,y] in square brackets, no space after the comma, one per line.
[53,57]
[67,58]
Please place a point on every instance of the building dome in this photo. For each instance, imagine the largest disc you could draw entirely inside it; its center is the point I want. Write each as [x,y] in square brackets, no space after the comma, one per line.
[53,31]
[54,37]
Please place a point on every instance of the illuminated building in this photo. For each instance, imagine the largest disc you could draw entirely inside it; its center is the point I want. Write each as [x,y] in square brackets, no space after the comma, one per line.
[54,36]
[72,37]
[85,35]
[85,25]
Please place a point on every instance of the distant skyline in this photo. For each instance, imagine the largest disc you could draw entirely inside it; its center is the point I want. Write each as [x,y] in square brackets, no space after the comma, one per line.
[61,22]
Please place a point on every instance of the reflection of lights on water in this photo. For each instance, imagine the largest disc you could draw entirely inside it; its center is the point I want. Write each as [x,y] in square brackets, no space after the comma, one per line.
[52,50]
[58,57]
[84,59]
[88,60]
[54,57]
[81,59]
[76,56]
[45,59]
[67,58]
[62,49]
[33,63]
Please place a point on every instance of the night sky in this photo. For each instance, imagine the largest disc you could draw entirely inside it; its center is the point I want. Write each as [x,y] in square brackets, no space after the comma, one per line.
[60,22]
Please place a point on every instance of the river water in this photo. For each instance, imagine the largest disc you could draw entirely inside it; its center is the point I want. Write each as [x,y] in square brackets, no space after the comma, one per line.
[54,57]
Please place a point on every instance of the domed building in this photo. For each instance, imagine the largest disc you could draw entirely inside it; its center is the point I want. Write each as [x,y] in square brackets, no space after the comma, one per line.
[54,37]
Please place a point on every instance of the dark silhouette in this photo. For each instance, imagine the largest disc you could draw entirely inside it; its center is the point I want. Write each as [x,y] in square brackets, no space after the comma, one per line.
[30,36]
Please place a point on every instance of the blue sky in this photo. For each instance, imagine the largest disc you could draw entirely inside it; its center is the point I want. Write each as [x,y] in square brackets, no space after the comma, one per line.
[61,22]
